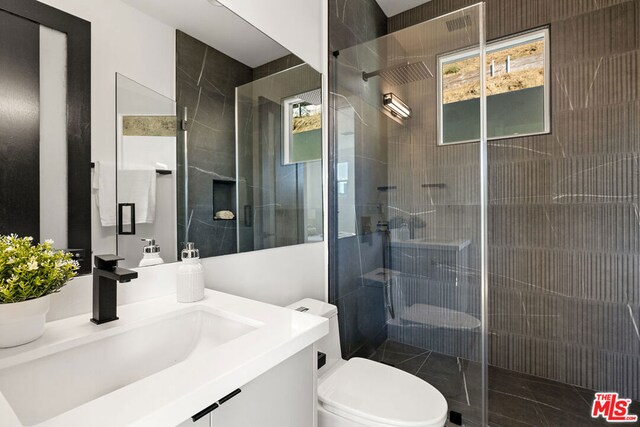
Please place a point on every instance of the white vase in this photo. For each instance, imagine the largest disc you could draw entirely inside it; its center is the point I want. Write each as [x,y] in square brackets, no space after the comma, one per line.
[22,322]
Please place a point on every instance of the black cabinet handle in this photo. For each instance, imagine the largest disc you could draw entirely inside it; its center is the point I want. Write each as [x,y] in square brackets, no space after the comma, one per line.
[121,207]
[230,396]
[206,411]
[322,359]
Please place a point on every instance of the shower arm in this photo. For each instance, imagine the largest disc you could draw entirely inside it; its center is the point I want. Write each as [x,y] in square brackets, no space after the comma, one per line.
[367,76]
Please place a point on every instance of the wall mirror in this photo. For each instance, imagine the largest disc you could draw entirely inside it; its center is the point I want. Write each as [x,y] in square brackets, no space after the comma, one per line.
[143,209]
[279,153]
[234,164]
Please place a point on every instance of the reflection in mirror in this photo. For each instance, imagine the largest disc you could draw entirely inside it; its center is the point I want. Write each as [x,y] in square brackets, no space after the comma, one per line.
[279,160]
[302,137]
[145,211]
[267,192]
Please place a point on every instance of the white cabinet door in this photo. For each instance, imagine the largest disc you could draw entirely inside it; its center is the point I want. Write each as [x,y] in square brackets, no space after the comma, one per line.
[285,396]
[202,422]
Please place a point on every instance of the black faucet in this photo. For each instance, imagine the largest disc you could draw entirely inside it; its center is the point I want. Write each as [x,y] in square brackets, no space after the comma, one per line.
[106,275]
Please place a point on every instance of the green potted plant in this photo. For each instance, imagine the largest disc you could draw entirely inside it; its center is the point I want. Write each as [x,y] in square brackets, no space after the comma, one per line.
[29,273]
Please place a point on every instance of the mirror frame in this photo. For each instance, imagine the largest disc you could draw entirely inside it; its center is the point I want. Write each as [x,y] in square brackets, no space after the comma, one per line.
[78,33]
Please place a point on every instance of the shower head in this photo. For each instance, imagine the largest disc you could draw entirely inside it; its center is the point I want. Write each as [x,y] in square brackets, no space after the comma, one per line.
[459,23]
[402,74]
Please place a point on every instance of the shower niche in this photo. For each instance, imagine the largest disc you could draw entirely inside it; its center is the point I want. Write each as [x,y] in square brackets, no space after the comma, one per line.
[224,200]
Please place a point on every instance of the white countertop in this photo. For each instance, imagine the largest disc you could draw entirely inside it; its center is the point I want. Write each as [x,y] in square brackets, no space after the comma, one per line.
[172,395]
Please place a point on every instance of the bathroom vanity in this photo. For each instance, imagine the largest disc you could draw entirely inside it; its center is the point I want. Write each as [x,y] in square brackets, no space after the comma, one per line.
[224,361]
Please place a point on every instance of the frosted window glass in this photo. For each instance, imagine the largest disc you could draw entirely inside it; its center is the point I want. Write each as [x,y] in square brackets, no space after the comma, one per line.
[53,136]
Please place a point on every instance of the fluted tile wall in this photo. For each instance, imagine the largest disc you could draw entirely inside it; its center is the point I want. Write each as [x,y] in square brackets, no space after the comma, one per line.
[564,215]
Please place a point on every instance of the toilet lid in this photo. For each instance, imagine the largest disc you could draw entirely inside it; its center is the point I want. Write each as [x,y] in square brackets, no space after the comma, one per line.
[372,393]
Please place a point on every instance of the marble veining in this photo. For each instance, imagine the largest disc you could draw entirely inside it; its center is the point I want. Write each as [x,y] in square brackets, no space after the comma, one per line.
[206,82]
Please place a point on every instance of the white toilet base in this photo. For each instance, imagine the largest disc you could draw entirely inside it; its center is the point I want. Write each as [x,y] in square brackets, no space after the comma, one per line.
[327,419]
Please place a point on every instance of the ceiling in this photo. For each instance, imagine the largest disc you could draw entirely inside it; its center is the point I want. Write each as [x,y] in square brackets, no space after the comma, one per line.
[394,7]
[215,26]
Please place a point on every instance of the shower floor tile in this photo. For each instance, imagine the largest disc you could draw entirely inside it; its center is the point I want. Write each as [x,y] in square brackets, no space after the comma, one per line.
[409,359]
[515,399]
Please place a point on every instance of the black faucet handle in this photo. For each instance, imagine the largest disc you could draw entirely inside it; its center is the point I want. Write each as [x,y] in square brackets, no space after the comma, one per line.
[106,262]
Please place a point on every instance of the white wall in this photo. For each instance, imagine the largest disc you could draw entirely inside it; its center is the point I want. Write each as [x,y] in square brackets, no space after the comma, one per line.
[128,42]
[277,276]
[325,138]
[297,25]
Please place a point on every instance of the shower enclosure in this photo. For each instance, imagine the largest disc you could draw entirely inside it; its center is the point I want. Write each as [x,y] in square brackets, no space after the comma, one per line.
[409,228]
[524,324]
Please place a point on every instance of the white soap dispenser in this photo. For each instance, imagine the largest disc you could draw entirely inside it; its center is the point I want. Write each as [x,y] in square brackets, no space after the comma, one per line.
[190,277]
[151,254]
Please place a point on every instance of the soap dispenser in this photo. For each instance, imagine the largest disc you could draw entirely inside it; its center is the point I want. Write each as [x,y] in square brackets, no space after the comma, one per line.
[190,279]
[151,254]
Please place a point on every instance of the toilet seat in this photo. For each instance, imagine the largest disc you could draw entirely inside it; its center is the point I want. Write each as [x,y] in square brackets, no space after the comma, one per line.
[374,394]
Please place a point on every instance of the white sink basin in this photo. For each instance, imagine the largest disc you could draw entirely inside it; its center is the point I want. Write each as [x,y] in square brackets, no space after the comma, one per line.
[38,390]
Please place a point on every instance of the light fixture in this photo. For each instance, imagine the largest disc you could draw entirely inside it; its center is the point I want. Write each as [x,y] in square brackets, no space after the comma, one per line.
[394,104]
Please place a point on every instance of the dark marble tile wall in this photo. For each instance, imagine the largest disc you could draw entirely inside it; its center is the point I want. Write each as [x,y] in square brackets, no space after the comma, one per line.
[564,216]
[352,22]
[205,84]
[276,66]
[360,302]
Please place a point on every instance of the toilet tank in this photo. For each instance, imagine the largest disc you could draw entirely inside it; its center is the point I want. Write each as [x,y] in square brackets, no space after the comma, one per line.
[330,344]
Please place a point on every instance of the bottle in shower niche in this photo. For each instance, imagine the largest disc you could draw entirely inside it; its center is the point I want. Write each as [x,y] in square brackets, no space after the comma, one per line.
[190,280]
[404,234]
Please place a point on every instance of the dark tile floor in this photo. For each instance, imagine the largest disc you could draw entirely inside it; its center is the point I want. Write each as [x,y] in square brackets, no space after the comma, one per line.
[515,399]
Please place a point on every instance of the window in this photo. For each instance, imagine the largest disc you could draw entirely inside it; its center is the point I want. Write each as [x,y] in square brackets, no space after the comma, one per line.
[517,90]
[302,128]
[342,170]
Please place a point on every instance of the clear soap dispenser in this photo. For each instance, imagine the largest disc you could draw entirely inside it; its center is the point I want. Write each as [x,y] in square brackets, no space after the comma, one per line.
[190,277]
[151,254]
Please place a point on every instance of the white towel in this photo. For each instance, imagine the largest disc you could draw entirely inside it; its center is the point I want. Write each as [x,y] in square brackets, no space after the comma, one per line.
[134,186]
[138,187]
[104,184]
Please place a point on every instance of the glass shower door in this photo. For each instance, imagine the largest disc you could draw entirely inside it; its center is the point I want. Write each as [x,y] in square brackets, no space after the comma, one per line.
[410,193]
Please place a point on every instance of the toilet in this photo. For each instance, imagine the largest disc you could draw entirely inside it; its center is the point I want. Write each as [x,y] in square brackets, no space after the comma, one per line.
[360,392]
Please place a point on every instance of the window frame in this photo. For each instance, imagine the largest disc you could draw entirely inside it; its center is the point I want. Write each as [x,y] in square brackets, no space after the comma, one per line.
[287,129]
[287,117]
[497,44]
